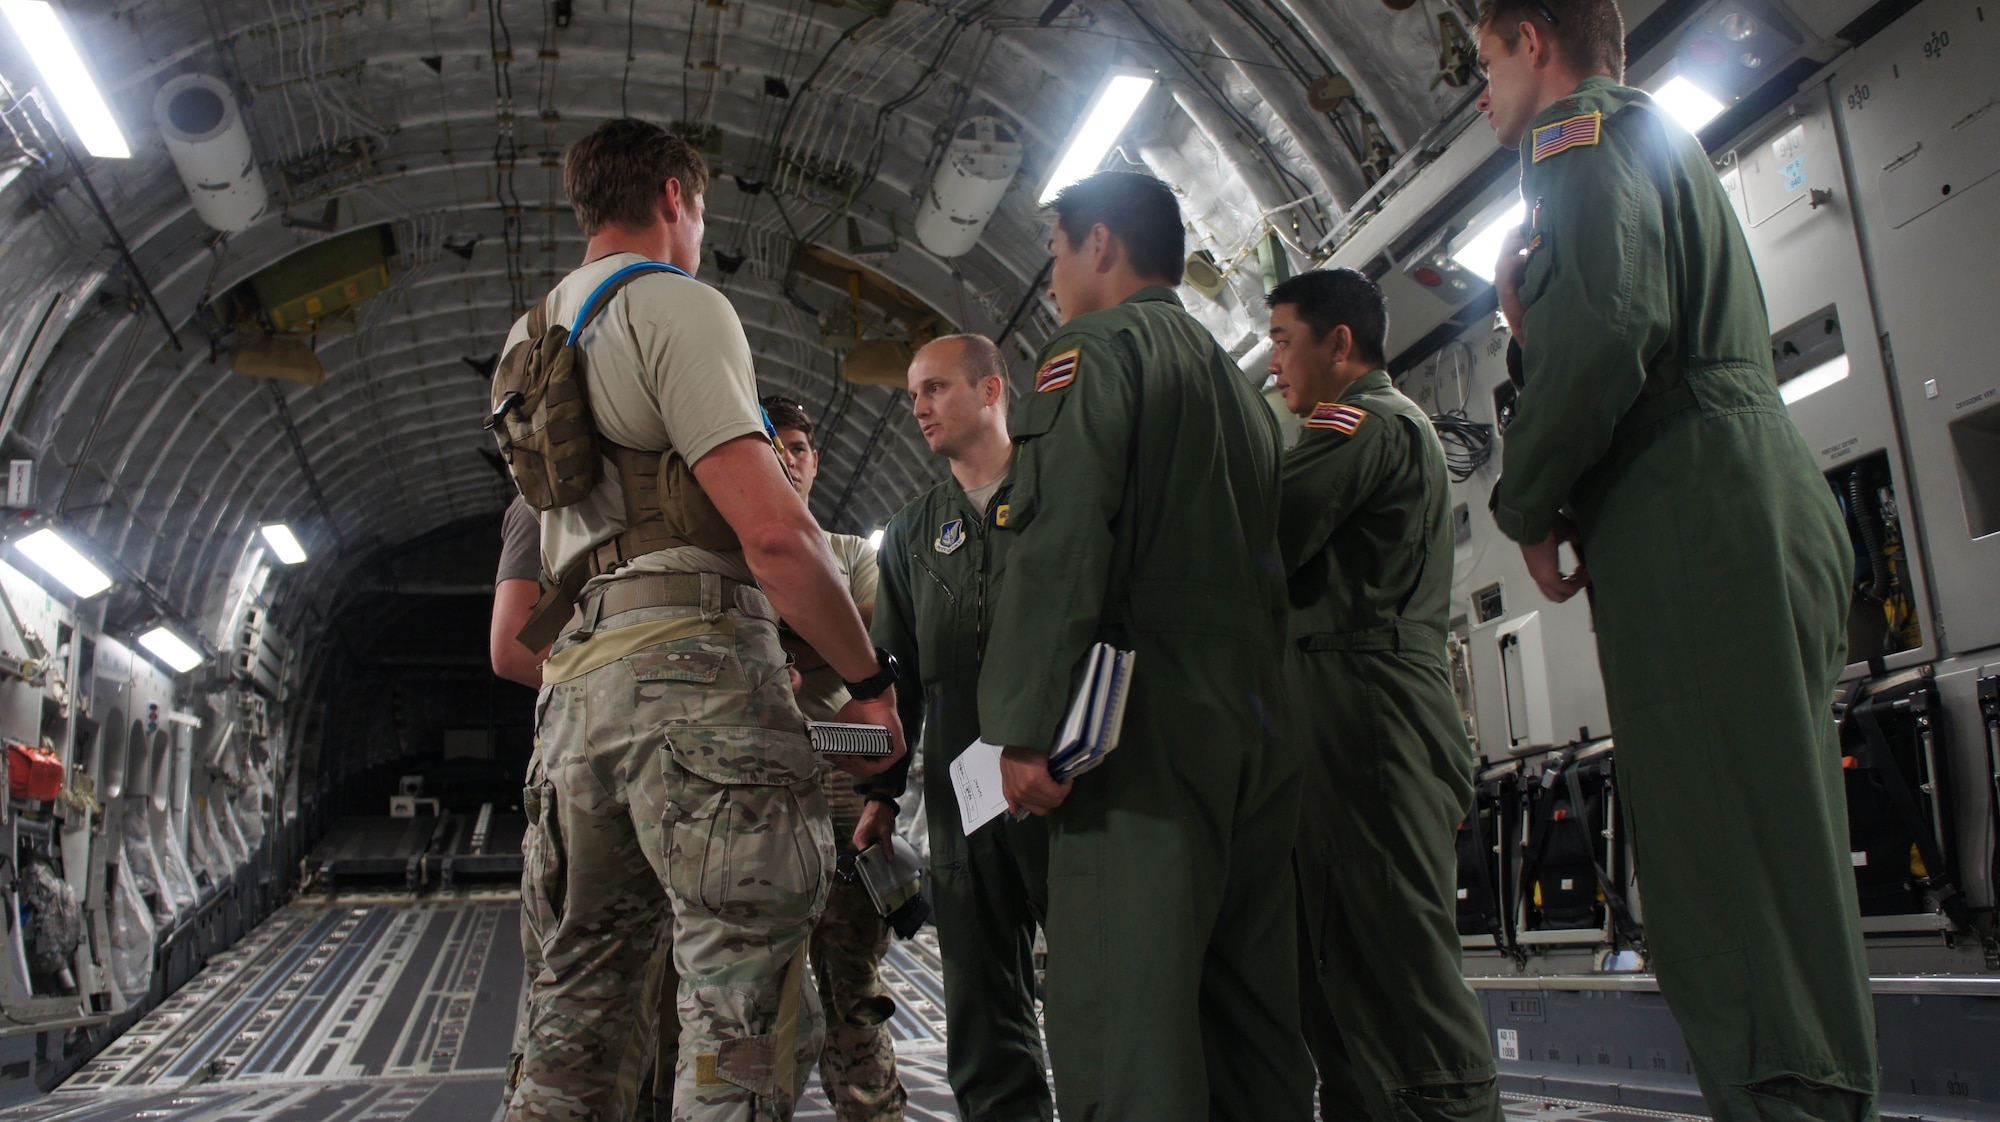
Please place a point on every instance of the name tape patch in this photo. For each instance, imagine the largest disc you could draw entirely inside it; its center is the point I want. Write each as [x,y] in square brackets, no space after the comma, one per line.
[1058,371]
[1340,418]
[1576,132]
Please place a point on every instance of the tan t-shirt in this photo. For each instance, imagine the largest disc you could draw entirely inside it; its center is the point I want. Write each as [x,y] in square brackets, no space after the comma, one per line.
[666,363]
[821,693]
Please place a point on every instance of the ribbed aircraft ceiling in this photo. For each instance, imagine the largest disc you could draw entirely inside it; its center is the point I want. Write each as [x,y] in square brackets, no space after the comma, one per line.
[447,118]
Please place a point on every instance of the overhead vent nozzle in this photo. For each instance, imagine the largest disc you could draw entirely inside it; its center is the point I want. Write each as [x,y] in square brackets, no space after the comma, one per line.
[210,146]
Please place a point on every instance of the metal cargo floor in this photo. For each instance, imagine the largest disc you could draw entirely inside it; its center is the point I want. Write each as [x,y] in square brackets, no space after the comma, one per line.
[402,1010]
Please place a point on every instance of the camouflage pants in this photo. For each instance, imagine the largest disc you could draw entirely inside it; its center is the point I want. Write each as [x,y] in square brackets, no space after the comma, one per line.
[673,809]
[858,1065]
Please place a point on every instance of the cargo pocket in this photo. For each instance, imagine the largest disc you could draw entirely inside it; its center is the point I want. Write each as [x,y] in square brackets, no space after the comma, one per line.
[541,861]
[743,754]
[752,855]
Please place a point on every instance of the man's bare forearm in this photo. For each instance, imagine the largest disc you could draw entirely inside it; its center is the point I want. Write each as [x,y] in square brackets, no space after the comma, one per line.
[786,551]
[796,571]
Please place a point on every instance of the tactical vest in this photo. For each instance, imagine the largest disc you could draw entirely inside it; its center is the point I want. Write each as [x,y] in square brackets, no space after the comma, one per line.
[541,418]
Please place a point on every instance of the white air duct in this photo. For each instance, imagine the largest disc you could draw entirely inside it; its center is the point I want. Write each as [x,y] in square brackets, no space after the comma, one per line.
[211,148]
[977,170]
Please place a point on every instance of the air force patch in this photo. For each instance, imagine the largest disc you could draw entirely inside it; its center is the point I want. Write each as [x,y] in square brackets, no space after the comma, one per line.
[1576,132]
[1058,371]
[1001,514]
[951,535]
[1343,419]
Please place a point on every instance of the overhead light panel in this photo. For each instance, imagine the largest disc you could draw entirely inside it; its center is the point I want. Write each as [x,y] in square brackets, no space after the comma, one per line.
[171,649]
[61,560]
[1688,103]
[1103,121]
[1481,252]
[45,40]
[875,539]
[283,543]
[1814,380]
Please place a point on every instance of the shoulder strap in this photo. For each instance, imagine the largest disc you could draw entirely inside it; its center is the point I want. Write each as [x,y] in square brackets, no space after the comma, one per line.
[602,294]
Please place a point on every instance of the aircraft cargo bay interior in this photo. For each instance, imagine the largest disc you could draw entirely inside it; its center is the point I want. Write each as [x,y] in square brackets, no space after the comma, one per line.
[289,834]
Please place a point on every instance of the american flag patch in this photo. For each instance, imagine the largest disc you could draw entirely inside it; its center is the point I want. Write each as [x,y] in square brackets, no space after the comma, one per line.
[1057,372]
[1342,419]
[1577,132]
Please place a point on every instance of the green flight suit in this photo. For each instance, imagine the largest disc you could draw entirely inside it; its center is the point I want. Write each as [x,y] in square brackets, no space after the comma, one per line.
[1365,532]
[1720,570]
[1145,512]
[939,564]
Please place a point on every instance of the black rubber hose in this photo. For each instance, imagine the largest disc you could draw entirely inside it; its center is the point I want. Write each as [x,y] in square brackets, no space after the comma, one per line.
[1877,588]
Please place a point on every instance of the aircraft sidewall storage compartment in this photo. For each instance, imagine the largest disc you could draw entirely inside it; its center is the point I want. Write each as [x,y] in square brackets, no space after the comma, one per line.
[210,145]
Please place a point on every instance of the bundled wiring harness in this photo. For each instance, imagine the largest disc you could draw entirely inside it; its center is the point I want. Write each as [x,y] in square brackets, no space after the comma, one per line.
[1468,444]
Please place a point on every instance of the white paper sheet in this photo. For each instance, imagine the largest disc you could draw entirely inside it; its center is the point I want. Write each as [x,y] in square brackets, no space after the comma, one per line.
[975,777]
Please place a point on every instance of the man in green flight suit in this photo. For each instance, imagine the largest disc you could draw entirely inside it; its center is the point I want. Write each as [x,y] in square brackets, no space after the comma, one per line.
[1144,506]
[1365,533]
[940,568]
[1649,413]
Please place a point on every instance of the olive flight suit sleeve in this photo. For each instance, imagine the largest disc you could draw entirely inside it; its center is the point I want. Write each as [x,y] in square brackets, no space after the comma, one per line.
[894,630]
[1599,311]
[1324,478]
[1069,484]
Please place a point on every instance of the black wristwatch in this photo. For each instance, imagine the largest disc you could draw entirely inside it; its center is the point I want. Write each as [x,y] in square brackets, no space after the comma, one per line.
[878,683]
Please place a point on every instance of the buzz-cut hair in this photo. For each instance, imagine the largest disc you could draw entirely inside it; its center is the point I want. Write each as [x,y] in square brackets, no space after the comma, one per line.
[613,176]
[788,414]
[1138,209]
[1330,298]
[1589,34]
[979,358]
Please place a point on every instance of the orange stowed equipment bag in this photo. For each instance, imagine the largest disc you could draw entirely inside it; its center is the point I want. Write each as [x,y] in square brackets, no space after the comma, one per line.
[33,772]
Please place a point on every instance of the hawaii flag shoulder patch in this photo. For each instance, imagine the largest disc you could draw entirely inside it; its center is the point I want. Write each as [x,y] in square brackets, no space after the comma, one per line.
[1058,371]
[1343,419]
[1577,132]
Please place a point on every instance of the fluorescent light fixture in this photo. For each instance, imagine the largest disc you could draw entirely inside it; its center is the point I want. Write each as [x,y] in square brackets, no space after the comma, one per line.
[61,560]
[283,543]
[1481,253]
[1106,117]
[171,649]
[875,539]
[1814,380]
[1688,103]
[46,41]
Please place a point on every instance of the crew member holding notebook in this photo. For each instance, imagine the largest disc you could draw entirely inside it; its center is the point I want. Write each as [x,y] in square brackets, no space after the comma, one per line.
[1365,532]
[940,567]
[1144,513]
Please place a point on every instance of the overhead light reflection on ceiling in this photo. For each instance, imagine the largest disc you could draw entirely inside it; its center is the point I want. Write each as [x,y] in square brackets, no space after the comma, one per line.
[284,544]
[1481,252]
[1688,103]
[171,649]
[61,560]
[68,80]
[1110,111]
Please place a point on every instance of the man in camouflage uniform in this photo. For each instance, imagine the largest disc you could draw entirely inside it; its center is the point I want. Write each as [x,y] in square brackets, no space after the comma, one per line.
[858,1065]
[673,792]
